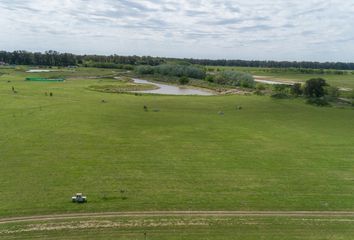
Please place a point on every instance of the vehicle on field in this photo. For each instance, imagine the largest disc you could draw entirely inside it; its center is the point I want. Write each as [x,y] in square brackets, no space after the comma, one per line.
[79,198]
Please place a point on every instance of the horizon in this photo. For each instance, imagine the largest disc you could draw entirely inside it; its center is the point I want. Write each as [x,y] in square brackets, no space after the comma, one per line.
[179,58]
[274,30]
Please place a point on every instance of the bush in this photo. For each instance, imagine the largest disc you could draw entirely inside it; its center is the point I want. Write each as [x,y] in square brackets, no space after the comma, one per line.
[260,86]
[280,95]
[180,71]
[173,70]
[318,102]
[144,69]
[102,65]
[332,92]
[209,78]
[280,91]
[296,90]
[183,80]
[127,67]
[258,92]
[281,88]
[351,94]
[235,78]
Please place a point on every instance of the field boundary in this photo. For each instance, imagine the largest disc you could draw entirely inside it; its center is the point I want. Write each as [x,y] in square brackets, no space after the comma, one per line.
[179,214]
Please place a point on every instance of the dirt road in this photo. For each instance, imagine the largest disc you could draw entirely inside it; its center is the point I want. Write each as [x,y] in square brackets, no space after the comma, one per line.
[179,213]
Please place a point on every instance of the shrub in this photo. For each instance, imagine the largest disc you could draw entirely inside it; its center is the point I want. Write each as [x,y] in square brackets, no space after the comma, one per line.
[280,88]
[351,94]
[258,92]
[127,67]
[318,102]
[209,78]
[260,86]
[183,80]
[235,78]
[144,69]
[280,91]
[332,92]
[172,70]
[280,95]
[296,90]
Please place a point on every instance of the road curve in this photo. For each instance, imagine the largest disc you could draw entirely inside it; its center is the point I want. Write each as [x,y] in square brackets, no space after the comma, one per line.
[179,214]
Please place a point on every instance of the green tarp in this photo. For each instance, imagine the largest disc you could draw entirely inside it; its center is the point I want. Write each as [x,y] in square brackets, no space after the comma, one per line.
[45,79]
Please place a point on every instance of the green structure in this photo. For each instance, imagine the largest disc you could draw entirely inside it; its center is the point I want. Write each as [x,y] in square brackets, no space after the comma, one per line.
[45,79]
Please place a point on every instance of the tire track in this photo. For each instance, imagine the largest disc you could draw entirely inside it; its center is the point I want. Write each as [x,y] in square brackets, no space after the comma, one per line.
[179,213]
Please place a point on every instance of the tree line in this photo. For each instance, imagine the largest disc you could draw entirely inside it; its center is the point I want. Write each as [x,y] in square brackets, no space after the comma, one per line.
[172,70]
[272,64]
[49,58]
[54,58]
[295,70]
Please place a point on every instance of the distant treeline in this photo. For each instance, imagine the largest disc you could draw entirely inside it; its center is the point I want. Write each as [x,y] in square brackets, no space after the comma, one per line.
[289,70]
[53,58]
[50,58]
[272,64]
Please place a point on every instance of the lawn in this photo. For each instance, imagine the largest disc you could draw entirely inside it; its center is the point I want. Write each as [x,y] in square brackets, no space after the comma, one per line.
[182,154]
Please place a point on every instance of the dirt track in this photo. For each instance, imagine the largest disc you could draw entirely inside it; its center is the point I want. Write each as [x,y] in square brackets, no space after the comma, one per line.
[180,213]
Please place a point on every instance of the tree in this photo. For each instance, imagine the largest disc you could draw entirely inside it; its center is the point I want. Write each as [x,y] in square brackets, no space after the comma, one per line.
[296,89]
[314,88]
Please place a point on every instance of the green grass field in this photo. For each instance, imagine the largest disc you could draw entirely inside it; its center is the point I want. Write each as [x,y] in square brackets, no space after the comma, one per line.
[180,155]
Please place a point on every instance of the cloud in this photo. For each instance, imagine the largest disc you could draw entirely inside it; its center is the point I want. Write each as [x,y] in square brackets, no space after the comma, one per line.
[272,29]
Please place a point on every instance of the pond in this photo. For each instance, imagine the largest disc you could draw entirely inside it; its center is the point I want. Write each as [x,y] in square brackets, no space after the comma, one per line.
[38,71]
[172,90]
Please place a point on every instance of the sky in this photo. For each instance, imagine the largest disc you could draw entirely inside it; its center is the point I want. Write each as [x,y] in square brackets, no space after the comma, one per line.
[311,30]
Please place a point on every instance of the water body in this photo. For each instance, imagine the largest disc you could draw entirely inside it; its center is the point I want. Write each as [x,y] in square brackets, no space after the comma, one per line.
[172,90]
[39,71]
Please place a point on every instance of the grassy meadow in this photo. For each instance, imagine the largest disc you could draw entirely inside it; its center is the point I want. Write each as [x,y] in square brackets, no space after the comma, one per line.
[180,155]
